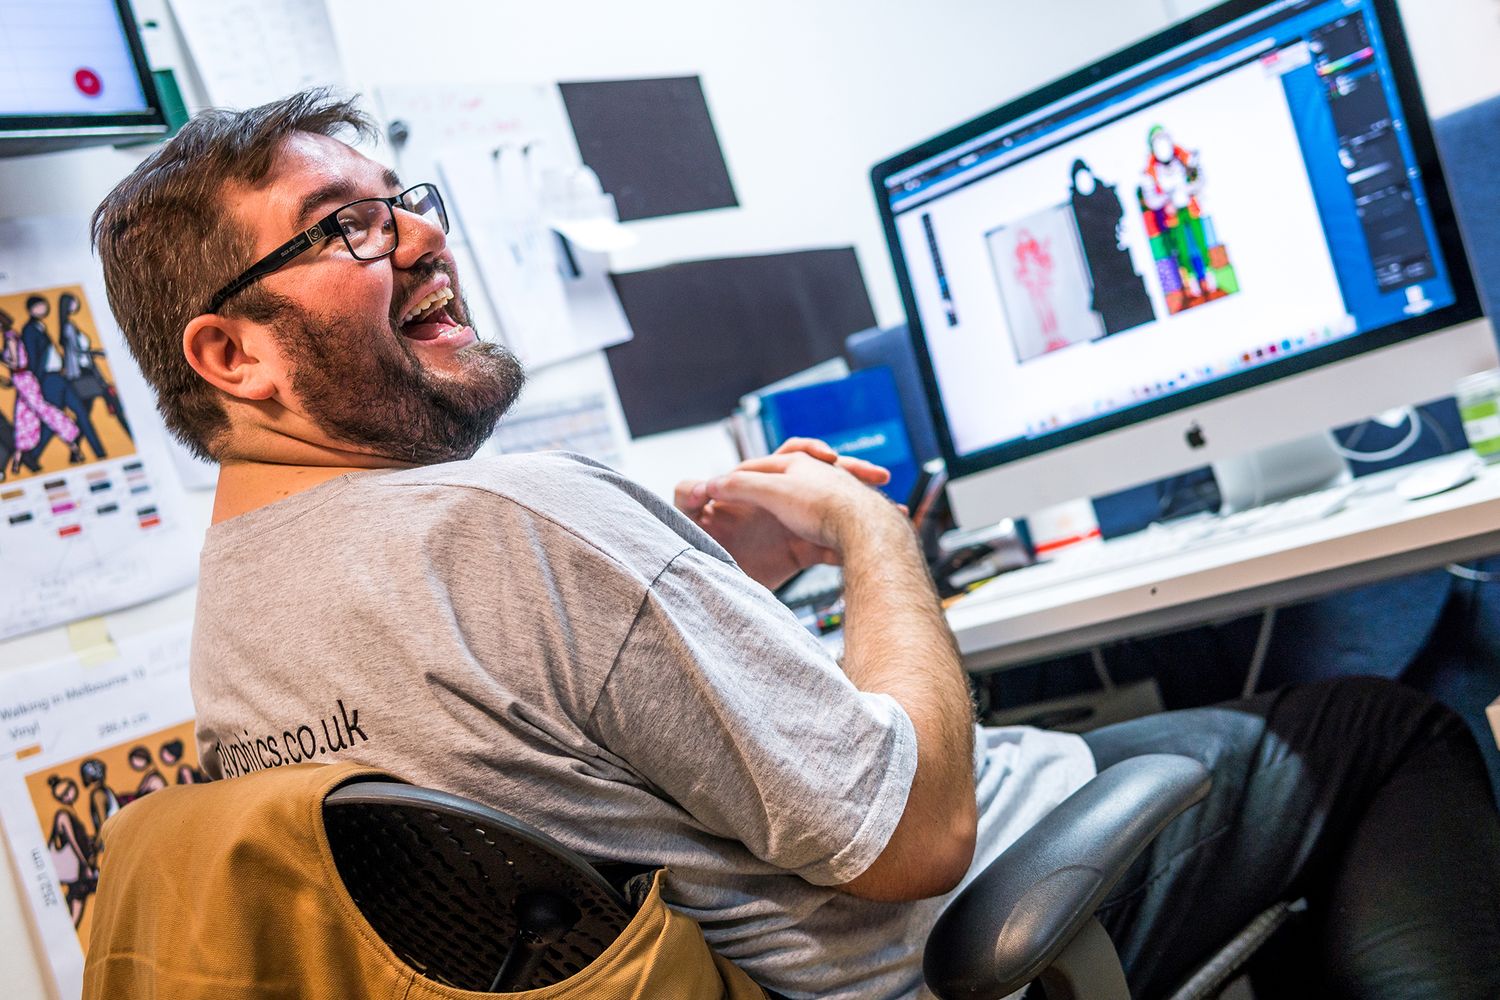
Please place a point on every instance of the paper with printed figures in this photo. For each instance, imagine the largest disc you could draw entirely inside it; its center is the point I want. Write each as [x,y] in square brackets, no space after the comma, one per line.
[93,517]
[78,742]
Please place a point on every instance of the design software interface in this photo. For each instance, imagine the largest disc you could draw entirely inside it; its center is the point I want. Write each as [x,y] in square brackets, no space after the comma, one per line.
[1246,198]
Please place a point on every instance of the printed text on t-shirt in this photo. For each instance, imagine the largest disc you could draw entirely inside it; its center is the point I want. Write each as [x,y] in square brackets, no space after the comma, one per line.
[293,745]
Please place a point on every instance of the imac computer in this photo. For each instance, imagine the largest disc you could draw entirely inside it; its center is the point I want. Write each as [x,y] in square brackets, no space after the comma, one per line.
[1233,234]
[76,75]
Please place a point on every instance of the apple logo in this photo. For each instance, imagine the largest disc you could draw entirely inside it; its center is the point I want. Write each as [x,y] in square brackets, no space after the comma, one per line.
[1195,437]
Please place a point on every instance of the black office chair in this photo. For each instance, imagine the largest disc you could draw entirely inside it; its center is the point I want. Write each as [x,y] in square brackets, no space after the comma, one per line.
[475,899]
[467,895]
[1029,917]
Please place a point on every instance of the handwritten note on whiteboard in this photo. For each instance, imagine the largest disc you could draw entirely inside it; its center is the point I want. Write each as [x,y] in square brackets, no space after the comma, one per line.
[439,118]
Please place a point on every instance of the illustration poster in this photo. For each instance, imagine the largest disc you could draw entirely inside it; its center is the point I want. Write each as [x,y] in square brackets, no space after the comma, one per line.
[1044,282]
[91,508]
[58,402]
[74,798]
[78,744]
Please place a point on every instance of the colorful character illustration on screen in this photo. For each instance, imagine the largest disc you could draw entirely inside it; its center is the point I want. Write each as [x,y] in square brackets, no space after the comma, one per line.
[71,849]
[24,354]
[1120,296]
[171,754]
[1191,264]
[151,779]
[1034,272]
[103,802]
[83,376]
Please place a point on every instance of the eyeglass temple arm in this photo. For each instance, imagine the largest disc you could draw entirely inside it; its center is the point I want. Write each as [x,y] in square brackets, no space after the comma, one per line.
[273,261]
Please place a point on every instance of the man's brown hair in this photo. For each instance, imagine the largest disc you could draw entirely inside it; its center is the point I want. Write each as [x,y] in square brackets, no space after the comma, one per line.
[168,242]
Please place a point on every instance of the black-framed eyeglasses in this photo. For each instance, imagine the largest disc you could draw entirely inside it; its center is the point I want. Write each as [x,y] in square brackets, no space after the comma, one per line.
[367,226]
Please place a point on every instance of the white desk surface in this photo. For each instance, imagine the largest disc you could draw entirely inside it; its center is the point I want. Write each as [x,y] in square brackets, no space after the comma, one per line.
[1376,537]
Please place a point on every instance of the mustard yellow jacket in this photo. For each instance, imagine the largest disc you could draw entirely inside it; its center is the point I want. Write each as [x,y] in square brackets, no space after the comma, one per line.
[228,891]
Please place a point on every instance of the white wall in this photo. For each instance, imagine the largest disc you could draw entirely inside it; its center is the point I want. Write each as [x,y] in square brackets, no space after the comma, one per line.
[806,97]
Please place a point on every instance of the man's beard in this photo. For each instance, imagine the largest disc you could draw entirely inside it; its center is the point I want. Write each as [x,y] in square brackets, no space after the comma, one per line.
[367,388]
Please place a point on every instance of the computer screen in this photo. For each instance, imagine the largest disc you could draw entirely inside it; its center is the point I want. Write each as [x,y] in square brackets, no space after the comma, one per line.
[1239,199]
[74,68]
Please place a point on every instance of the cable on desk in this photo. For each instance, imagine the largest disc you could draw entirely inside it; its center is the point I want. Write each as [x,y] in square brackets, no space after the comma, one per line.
[1385,454]
[1258,658]
[1096,654]
[1476,575]
[1445,443]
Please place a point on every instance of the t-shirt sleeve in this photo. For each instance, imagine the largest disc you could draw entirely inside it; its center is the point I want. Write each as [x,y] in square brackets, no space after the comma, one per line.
[726,704]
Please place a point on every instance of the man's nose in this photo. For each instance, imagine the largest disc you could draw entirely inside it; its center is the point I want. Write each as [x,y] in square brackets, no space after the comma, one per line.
[419,237]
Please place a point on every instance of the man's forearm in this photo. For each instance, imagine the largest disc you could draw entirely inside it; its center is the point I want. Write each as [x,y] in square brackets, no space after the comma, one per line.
[897,642]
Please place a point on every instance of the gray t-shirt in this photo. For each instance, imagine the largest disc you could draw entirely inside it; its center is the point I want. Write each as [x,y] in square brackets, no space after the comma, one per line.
[540,634]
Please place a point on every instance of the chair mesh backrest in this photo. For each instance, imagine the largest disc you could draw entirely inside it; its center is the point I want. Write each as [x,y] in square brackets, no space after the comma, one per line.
[437,876]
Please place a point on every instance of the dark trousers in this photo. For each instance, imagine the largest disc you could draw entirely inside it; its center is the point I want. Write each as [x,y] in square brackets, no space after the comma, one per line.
[8,447]
[1367,798]
[59,392]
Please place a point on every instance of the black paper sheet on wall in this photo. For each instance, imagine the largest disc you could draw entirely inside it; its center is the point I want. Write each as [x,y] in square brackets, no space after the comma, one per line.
[652,143]
[707,332]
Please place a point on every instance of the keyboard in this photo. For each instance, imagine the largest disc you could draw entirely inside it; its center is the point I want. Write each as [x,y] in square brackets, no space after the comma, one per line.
[1160,541]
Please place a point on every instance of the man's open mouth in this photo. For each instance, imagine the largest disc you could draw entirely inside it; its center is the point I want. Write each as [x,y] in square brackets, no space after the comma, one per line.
[430,318]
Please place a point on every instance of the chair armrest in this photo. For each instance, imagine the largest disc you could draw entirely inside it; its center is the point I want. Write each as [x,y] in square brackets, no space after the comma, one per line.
[1009,924]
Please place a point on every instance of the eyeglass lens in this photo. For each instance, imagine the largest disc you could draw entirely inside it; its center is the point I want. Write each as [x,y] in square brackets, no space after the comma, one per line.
[425,201]
[369,227]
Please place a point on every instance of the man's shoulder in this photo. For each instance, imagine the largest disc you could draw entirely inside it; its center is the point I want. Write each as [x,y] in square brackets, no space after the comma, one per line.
[566,492]
[548,483]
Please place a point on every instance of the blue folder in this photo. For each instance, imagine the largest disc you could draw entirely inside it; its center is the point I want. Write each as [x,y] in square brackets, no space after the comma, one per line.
[858,416]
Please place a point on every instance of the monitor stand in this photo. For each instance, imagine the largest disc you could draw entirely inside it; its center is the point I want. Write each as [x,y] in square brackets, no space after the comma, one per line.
[1280,471]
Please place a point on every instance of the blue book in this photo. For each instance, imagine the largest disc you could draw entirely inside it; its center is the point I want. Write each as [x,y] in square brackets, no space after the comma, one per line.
[858,416]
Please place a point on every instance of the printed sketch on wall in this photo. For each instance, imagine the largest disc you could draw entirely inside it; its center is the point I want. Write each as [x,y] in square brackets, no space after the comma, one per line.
[73,800]
[58,402]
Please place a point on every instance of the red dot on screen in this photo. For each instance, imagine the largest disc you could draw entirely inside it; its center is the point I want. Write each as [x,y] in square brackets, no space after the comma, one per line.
[88,82]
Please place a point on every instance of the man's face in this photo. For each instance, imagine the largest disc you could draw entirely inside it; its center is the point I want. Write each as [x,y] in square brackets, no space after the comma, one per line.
[40,310]
[420,391]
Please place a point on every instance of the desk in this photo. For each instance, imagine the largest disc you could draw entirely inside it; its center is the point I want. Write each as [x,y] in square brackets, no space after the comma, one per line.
[1376,537]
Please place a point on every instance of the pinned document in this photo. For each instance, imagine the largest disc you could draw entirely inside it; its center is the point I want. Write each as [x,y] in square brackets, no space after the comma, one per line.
[79,742]
[91,509]
[248,52]
[533,228]
[576,206]
[496,206]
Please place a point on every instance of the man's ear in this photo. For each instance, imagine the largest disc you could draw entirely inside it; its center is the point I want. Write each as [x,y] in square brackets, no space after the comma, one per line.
[222,350]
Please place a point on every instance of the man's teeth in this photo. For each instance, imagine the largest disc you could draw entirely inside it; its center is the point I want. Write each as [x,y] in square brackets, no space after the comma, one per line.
[441,297]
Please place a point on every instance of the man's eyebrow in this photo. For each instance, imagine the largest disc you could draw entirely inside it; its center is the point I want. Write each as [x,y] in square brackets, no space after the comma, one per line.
[340,190]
